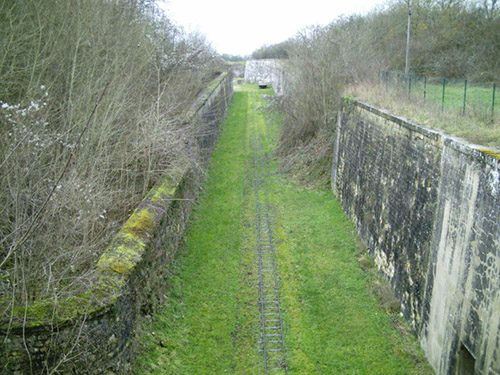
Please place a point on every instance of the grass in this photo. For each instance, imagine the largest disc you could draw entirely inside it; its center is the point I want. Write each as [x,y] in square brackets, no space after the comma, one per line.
[334,323]
[477,98]
[207,323]
[476,126]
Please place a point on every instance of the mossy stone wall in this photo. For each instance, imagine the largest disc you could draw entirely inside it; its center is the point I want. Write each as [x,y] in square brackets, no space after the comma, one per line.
[93,333]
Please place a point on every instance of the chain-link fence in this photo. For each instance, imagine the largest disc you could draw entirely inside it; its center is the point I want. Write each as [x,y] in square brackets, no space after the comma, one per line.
[462,96]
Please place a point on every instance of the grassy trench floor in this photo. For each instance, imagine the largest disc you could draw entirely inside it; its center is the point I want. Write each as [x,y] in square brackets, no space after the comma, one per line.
[210,324]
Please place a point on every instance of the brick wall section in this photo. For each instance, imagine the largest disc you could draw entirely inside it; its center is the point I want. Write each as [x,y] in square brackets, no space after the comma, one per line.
[93,333]
[427,206]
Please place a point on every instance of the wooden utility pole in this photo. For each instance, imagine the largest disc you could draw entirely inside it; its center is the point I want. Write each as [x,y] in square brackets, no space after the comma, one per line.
[407,62]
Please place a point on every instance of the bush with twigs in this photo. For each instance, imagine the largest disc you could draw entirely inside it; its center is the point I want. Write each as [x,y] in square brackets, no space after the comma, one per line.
[322,60]
[92,100]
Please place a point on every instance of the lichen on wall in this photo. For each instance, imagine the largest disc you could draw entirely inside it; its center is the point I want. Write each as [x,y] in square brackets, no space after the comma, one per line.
[428,207]
[465,301]
[387,179]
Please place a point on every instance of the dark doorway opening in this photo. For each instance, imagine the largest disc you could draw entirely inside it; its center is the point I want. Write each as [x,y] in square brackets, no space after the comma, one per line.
[466,362]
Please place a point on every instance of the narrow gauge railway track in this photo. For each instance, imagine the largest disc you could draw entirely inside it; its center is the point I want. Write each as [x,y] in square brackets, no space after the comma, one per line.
[272,338]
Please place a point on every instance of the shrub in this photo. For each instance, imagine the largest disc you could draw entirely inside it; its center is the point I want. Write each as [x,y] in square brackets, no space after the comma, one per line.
[322,61]
[92,102]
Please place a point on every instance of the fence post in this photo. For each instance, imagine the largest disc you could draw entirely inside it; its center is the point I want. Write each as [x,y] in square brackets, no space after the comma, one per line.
[409,84]
[425,88]
[442,99]
[493,101]
[465,96]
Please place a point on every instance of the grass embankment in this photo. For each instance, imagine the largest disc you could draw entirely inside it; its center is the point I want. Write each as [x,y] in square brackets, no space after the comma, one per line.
[477,97]
[476,126]
[333,322]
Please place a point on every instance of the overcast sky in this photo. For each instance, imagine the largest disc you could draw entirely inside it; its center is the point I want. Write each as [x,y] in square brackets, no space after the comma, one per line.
[240,27]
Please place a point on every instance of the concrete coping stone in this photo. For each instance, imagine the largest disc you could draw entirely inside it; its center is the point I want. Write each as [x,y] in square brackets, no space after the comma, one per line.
[400,120]
[489,155]
[205,95]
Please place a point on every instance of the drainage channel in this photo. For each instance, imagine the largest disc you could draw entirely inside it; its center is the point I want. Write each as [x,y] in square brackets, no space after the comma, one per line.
[272,339]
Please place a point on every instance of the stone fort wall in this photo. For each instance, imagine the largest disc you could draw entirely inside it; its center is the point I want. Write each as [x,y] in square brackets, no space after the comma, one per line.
[269,71]
[428,207]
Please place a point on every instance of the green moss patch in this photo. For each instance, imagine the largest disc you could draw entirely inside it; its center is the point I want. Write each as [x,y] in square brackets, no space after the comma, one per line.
[130,243]
[491,152]
[49,313]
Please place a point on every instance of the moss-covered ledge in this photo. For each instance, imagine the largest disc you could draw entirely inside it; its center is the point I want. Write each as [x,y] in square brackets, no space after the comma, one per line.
[127,247]
[126,278]
[112,270]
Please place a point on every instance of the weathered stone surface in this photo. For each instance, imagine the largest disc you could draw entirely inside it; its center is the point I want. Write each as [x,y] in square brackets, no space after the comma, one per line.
[391,175]
[94,333]
[238,69]
[464,302]
[268,71]
[427,206]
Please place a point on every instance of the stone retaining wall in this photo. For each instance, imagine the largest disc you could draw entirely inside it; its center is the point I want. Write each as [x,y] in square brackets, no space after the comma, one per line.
[269,71]
[93,333]
[428,207]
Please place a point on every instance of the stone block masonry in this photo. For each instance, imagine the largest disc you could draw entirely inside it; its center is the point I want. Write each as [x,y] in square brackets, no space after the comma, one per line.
[428,207]
[269,71]
[93,333]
